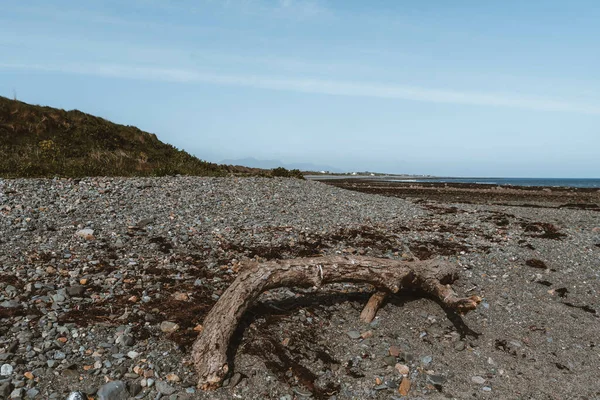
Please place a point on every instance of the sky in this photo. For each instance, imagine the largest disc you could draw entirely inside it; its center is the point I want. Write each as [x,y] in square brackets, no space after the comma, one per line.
[452,88]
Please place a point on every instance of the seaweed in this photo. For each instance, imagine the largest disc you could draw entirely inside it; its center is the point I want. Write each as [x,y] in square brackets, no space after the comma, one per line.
[542,230]
[535,263]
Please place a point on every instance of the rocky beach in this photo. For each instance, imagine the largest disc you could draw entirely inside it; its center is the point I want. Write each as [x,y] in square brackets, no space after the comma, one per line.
[104,284]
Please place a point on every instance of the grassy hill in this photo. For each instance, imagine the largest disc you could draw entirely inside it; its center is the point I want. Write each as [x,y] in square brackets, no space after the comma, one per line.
[38,141]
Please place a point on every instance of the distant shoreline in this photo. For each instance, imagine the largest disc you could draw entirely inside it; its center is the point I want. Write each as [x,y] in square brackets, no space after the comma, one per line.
[590,183]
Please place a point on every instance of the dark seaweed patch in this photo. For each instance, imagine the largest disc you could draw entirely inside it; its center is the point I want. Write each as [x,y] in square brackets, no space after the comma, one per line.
[523,243]
[505,346]
[584,307]
[535,263]
[352,371]
[562,292]
[12,312]
[163,244]
[285,361]
[312,245]
[426,250]
[581,206]
[543,230]
[500,219]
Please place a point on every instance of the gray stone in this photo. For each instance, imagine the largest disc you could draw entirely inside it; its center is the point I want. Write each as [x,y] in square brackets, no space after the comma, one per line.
[436,380]
[32,393]
[235,379]
[9,304]
[164,388]
[5,389]
[126,340]
[134,387]
[353,334]
[17,393]
[390,360]
[76,290]
[426,360]
[146,221]
[133,354]
[460,346]
[6,370]
[478,380]
[114,390]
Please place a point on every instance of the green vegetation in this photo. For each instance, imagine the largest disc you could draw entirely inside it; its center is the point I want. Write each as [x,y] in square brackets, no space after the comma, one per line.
[280,171]
[38,141]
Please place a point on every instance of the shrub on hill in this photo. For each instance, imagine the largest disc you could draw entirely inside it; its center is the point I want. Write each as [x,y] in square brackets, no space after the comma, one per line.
[40,141]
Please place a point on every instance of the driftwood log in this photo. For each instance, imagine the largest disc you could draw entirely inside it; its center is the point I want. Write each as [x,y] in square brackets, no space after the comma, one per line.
[209,352]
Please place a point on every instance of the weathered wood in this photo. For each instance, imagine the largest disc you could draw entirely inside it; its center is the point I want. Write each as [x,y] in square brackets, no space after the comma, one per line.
[368,313]
[209,352]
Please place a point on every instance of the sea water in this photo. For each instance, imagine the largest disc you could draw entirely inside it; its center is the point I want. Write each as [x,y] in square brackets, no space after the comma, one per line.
[555,182]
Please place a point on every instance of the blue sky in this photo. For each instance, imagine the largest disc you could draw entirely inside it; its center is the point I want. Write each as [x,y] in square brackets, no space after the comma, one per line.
[463,88]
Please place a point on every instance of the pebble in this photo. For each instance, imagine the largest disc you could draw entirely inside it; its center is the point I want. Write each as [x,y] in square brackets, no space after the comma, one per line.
[235,379]
[76,290]
[168,326]
[402,369]
[390,360]
[114,390]
[426,360]
[87,234]
[478,380]
[436,380]
[5,389]
[395,351]
[353,334]
[6,370]
[9,304]
[17,393]
[164,388]
[76,396]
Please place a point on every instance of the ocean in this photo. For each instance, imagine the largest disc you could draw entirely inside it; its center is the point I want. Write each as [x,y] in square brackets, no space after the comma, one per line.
[555,182]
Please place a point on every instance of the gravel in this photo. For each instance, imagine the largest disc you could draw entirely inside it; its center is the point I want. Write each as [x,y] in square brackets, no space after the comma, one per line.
[105,281]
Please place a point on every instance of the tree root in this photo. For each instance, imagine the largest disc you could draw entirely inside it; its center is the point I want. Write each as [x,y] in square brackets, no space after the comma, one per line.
[209,352]
[370,310]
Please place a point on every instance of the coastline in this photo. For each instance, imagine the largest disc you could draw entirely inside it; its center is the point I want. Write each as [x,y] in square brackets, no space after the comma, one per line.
[164,249]
[471,193]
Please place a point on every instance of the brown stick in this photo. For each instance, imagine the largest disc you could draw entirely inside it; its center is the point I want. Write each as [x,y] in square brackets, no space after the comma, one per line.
[372,306]
[209,352]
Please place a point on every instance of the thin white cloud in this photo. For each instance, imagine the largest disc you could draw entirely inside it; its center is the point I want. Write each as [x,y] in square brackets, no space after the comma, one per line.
[317,86]
[304,8]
